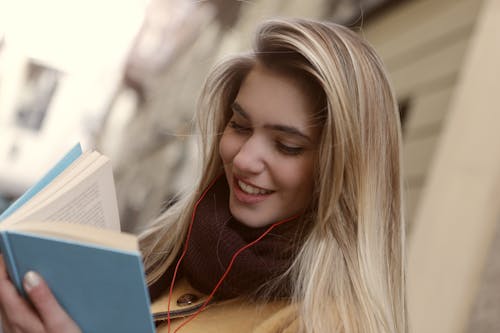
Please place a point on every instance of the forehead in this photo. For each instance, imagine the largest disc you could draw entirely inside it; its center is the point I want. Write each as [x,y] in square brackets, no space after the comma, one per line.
[268,96]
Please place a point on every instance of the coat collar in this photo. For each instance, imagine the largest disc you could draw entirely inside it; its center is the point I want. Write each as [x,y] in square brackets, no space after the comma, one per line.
[235,315]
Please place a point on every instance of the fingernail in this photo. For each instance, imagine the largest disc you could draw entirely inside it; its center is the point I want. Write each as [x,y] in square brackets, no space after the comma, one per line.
[31,280]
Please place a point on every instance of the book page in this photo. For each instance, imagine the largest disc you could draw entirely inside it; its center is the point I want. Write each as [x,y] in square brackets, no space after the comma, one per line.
[84,208]
[88,198]
[57,184]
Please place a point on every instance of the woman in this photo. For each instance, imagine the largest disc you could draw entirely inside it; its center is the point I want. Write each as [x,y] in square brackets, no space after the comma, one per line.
[295,224]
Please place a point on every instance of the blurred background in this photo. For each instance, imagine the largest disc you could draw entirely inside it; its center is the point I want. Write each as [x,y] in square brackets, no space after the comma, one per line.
[123,77]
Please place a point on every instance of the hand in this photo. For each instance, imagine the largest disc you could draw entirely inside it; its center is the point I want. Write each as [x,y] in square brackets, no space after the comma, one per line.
[19,316]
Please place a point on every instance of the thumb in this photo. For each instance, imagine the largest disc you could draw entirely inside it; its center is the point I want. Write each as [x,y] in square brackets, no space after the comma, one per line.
[53,316]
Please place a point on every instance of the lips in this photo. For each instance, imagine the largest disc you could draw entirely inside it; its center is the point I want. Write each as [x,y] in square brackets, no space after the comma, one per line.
[249,189]
[249,194]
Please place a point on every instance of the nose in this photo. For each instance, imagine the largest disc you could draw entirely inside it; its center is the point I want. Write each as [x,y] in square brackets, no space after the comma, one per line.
[250,157]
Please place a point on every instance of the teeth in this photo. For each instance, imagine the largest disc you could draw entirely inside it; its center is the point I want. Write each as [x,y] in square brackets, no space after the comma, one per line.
[250,189]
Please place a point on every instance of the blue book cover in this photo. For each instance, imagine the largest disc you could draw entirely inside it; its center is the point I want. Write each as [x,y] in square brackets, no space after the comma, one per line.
[60,166]
[103,289]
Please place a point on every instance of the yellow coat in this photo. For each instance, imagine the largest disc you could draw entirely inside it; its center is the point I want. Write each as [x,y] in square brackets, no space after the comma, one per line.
[236,315]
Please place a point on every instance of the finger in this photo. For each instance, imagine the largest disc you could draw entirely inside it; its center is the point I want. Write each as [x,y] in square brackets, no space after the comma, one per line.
[52,314]
[5,327]
[14,309]
[16,312]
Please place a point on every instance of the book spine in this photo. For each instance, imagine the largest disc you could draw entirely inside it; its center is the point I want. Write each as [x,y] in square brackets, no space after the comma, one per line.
[9,261]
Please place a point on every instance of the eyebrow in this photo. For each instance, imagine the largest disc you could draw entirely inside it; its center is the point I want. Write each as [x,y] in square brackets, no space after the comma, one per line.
[277,127]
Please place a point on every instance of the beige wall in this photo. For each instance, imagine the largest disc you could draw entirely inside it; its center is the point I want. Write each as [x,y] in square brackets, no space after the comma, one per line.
[457,218]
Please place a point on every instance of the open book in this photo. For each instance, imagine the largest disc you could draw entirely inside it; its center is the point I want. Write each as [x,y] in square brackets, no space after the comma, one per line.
[66,227]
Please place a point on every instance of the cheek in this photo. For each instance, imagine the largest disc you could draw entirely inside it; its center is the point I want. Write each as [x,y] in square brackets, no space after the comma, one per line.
[298,177]
[306,186]
[228,147]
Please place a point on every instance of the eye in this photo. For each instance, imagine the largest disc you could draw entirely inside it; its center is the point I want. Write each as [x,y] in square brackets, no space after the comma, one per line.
[288,150]
[239,128]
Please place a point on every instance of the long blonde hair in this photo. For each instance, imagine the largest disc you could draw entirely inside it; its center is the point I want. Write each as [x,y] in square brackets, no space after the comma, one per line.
[349,273]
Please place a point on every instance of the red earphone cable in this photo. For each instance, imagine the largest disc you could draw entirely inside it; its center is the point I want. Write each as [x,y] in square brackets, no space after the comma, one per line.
[185,249]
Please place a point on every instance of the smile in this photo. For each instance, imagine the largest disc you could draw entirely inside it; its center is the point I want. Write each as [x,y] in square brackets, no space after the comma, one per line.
[249,189]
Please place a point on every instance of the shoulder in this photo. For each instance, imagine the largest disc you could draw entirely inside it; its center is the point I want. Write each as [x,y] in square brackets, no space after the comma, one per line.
[236,315]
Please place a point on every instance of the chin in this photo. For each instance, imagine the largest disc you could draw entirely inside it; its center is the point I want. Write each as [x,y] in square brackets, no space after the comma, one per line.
[250,219]
[251,222]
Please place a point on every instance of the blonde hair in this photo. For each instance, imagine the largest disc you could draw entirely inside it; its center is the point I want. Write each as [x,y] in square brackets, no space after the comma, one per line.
[349,273]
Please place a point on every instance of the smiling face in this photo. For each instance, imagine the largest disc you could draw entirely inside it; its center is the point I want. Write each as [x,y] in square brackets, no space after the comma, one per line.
[268,149]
